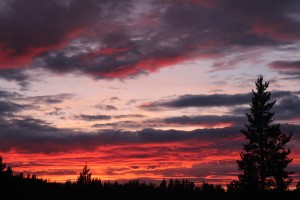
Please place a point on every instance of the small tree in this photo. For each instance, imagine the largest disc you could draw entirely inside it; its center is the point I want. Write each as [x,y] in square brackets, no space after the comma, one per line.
[298,186]
[163,185]
[85,177]
[264,158]
[2,165]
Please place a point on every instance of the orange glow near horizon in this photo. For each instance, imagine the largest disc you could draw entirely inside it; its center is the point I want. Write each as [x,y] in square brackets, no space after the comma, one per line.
[123,162]
[195,160]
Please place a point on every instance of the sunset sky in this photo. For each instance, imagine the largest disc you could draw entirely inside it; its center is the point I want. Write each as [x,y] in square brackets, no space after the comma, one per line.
[146,89]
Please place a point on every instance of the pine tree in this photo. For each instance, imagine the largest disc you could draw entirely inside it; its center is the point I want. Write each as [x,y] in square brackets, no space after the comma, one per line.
[264,159]
[163,185]
[2,165]
[85,177]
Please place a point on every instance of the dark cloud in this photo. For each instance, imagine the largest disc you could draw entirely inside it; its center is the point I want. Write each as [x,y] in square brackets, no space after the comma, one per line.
[93,117]
[127,124]
[114,125]
[30,135]
[8,108]
[116,39]
[57,111]
[33,135]
[9,95]
[129,116]
[292,77]
[206,120]
[25,37]
[288,108]
[202,100]
[114,99]
[47,99]
[17,75]
[287,67]
[106,107]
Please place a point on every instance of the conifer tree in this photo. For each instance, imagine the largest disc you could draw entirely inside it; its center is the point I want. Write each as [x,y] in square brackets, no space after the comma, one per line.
[264,159]
[2,165]
[85,177]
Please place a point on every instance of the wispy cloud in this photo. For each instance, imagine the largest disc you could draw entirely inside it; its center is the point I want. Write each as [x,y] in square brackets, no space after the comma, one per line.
[286,67]
[203,100]
[106,107]
[92,117]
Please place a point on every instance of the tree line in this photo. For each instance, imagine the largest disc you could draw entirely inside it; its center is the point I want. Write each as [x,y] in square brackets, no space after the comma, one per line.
[20,186]
[263,164]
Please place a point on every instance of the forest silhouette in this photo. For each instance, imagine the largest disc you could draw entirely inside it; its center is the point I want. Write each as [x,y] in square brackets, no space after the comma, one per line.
[263,162]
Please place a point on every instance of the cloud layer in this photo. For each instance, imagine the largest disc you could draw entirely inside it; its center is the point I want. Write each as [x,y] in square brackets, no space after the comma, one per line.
[200,155]
[203,100]
[108,39]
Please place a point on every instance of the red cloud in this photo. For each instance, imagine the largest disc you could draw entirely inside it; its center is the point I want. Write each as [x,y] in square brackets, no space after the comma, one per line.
[148,65]
[149,39]
[113,162]
[34,27]
[9,58]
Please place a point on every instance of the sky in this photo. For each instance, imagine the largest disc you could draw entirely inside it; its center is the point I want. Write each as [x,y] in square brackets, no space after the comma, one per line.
[146,89]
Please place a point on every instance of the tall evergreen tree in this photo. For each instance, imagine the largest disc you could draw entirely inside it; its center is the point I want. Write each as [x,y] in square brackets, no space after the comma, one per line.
[85,177]
[264,159]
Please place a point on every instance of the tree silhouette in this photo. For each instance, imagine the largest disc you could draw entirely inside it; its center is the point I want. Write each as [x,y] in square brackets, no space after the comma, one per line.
[163,185]
[85,177]
[264,158]
[298,186]
[2,165]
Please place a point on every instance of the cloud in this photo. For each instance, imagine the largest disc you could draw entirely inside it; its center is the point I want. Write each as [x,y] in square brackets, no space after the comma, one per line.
[47,99]
[202,100]
[105,107]
[9,95]
[25,37]
[7,105]
[286,108]
[17,75]
[8,108]
[207,120]
[118,39]
[57,111]
[129,116]
[127,124]
[34,135]
[286,67]
[189,100]
[93,117]
[206,154]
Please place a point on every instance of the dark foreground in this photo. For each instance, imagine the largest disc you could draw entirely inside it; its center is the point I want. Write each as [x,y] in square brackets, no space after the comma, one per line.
[19,187]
